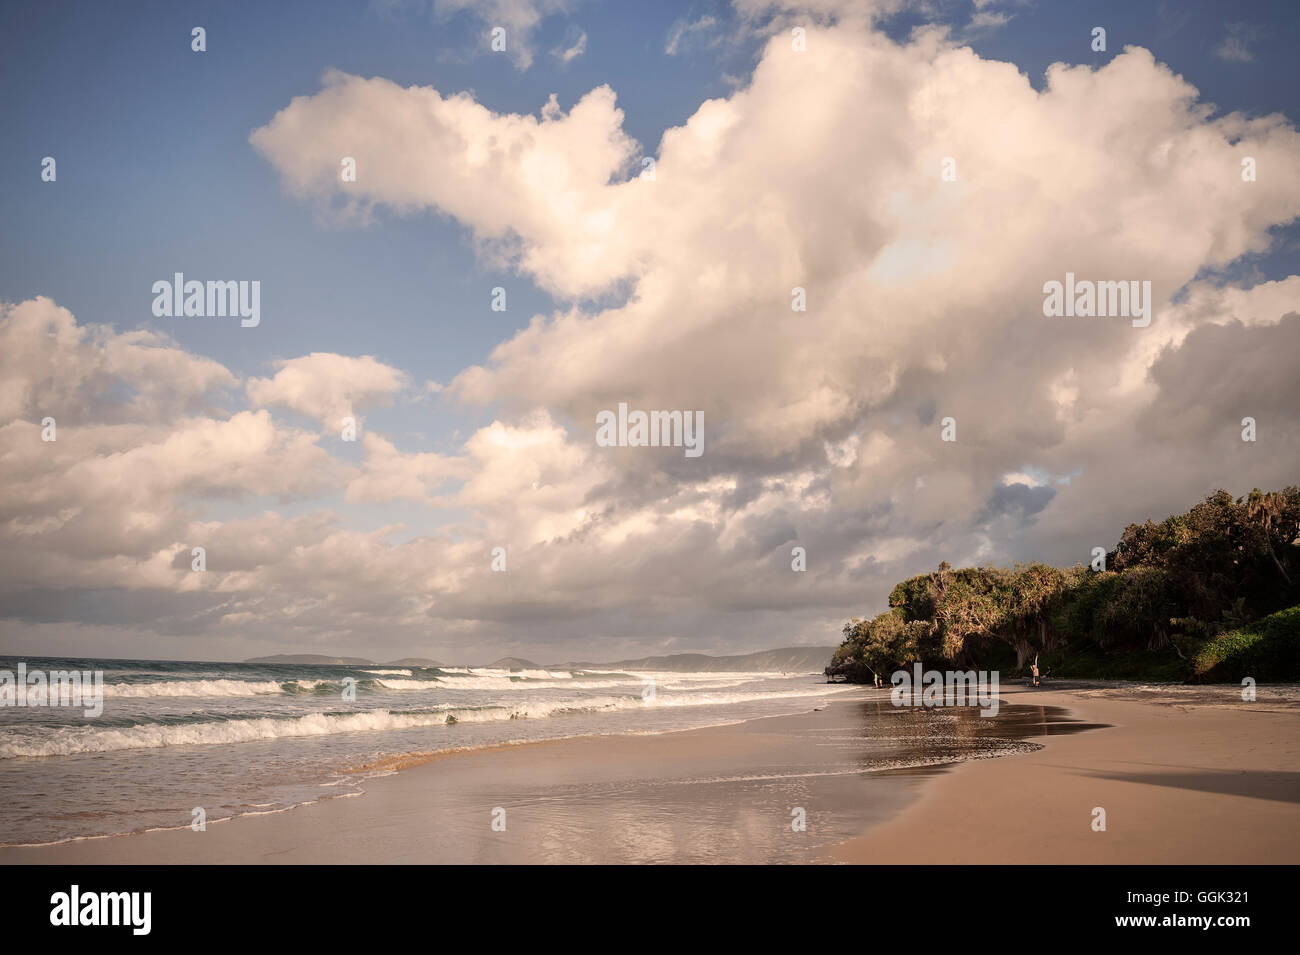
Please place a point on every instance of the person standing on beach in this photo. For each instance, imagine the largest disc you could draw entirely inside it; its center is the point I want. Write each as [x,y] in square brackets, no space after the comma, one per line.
[1034,669]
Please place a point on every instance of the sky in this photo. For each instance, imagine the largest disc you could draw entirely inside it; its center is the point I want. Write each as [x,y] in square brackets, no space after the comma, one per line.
[919,170]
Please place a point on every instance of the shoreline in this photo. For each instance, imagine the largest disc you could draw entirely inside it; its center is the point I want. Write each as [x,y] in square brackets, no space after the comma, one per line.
[379,775]
[1187,782]
[393,764]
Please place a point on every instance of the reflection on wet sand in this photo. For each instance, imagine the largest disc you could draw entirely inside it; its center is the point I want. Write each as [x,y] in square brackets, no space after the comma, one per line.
[724,795]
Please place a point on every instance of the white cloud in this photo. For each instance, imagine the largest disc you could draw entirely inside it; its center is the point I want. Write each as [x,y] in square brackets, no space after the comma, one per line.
[519,18]
[687,32]
[534,189]
[389,475]
[573,51]
[50,365]
[328,387]
[988,20]
[1235,46]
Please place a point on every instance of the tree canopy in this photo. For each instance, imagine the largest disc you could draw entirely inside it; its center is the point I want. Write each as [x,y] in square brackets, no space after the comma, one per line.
[1169,589]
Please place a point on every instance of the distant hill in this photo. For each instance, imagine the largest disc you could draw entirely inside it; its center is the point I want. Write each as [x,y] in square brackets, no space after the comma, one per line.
[512,663]
[784,660]
[295,659]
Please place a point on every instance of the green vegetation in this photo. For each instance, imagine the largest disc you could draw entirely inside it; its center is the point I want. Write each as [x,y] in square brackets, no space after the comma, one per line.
[1268,650]
[1201,596]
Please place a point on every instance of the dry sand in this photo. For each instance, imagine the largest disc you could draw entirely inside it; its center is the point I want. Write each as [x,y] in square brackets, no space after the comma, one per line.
[1180,782]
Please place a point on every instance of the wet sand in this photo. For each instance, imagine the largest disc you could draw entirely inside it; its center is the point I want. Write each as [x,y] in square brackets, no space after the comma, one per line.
[1180,782]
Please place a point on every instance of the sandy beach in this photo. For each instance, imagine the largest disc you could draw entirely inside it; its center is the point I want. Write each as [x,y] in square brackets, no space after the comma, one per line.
[1180,782]
[1198,780]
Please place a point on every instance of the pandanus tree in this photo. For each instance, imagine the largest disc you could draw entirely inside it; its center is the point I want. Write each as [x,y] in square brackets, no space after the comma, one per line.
[1035,592]
[1270,510]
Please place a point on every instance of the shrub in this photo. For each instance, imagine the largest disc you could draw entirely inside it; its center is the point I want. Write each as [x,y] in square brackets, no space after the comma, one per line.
[1268,650]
